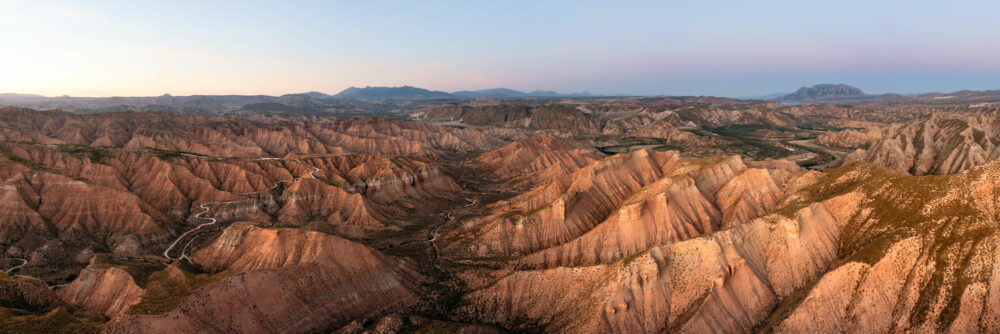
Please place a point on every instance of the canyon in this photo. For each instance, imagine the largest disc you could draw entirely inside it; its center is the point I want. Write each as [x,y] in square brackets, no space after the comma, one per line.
[548,214]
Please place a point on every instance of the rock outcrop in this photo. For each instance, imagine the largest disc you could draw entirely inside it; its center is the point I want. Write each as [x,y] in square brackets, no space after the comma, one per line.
[236,137]
[105,290]
[844,249]
[727,282]
[155,222]
[823,92]
[535,160]
[850,139]
[618,206]
[936,144]
[285,280]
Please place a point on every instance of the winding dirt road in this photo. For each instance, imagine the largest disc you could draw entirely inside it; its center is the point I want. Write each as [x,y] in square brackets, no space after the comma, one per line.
[24,262]
[12,269]
[838,154]
[212,221]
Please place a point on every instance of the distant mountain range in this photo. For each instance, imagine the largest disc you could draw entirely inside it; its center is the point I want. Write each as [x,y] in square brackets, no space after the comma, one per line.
[824,92]
[369,100]
[391,93]
[502,93]
[414,93]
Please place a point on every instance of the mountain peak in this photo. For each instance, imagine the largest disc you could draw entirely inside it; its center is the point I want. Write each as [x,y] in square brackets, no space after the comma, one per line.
[823,91]
[370,93]
[317,95]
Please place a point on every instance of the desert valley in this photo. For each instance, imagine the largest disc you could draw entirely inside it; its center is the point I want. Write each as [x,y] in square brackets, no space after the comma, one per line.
[416,213]
[492,167]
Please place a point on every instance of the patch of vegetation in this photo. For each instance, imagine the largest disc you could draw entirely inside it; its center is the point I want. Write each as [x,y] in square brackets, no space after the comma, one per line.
[824,127]
[624,145]
[900,208]
[747,130]
[166,155]
[635,256]
[439,327]
[166,288]
[822,157]
[55,321]
[17,300]
[787,305]
[668,147]
[138,269]
[96,154]
[688,313]
[528,213]
[741,139]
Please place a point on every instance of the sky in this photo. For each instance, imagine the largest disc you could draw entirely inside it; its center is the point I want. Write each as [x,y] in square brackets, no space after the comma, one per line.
[721,48]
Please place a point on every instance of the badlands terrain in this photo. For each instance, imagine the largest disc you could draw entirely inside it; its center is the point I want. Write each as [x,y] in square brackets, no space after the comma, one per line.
[406,210]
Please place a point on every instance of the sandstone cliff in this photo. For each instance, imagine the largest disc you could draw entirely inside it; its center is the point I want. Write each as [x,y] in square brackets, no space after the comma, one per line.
[536,159]
[852,139]
[284,281]
[617,206]
[106,290]
[237,137]
[936,144]
[844,249]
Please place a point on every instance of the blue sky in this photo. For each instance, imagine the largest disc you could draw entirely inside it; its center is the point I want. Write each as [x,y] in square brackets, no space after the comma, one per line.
[725,48]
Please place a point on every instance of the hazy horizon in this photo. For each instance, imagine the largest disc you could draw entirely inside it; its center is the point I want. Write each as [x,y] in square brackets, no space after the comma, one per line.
[723,48]
[586,92]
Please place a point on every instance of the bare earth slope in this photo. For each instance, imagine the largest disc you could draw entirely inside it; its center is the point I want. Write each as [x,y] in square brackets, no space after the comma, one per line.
[844,248]
[285,281]
[157,222]
[936,144]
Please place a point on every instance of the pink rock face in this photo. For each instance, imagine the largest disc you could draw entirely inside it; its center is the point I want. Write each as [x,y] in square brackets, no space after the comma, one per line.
[840,263]
[851,139]
[727,282]
[662,129]
[622,205]
[38,204]
[936,144]
[789,166]
[536,160]
[109,291]
[286,281]
[237,137]
[474,230]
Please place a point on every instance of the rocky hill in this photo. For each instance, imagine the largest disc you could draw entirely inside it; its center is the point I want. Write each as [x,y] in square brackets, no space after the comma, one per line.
[509,221]
[279,280]
[390,93]
[840,246]
[582,218]
[823,92]
[850,138]
[935,144]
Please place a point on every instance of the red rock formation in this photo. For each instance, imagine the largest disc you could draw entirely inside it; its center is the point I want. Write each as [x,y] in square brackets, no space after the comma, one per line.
[26,294]
[235,137]
[637,242]
[619,206]
[663,129]
[536,160]
[852,139]
[134,199]
[789,166]
[727,282]
[105,290]
[50,205]
[936,144]
[286,281]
